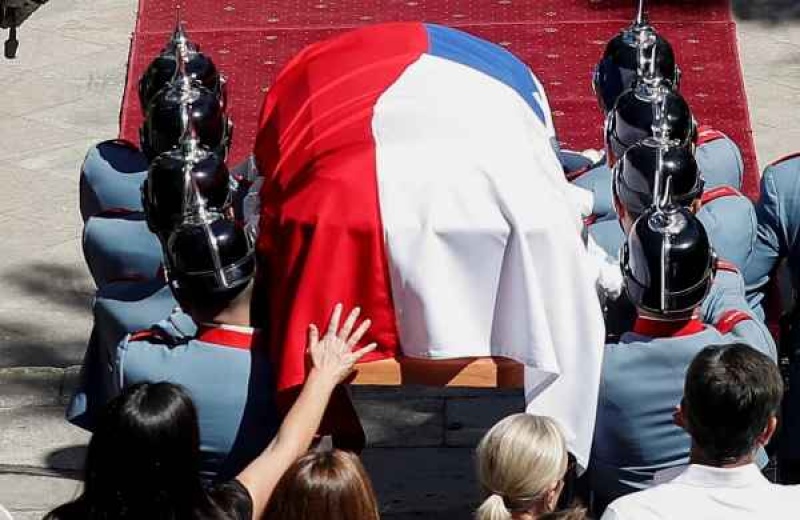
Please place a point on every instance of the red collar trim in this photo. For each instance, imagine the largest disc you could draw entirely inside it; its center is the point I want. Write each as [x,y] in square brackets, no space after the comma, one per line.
[225,337]
[667,329]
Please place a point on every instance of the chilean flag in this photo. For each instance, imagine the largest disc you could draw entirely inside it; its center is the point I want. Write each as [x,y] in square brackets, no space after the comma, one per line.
[409,169]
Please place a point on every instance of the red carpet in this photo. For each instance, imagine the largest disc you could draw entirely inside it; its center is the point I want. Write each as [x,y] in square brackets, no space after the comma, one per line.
[560,39]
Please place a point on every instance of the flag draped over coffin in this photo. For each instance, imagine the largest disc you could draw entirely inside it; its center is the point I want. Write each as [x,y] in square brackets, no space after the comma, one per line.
[409,169]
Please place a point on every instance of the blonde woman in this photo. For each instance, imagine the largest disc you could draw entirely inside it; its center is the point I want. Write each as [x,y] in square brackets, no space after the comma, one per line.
[521,465]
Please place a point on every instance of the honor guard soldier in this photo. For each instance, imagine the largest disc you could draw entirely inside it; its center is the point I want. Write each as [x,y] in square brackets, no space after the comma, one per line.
[119,308]
[778,211]
[113,171]
[668,267]
[224,366]
[728,216]
[653,164]
[626,60]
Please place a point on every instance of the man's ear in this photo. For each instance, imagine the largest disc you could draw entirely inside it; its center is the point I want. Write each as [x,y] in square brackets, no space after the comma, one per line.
[678,418]
[768,431]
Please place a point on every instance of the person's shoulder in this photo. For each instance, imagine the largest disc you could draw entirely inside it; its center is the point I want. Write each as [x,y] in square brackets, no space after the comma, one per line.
[647,504]
[788,493]
[784,171]
[233,498]
[153,335]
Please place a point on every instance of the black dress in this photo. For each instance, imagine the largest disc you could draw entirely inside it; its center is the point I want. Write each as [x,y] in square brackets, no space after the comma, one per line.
[228,501]
[233,499]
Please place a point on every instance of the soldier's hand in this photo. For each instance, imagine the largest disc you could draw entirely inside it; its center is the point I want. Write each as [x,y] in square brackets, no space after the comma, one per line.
[332,356]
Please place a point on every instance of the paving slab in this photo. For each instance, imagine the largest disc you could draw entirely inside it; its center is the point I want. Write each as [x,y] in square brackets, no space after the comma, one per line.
[468,419]
[402,422]
[30,386]
[32,494]
[39,437]
[423,480]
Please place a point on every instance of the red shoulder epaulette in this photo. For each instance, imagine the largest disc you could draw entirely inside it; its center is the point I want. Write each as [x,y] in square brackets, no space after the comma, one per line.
[150,334]
[571,176]
[724,265]
[730,319]
[718,193]
[785,158]
[706,134]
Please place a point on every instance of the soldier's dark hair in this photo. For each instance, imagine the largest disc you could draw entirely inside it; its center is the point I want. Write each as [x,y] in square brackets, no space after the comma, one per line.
[731,392]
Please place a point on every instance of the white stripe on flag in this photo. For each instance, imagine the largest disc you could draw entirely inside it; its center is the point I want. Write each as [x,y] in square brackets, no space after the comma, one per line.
[483,243]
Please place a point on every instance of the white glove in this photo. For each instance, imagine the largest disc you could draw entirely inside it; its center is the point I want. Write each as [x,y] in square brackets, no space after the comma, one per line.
[609,276]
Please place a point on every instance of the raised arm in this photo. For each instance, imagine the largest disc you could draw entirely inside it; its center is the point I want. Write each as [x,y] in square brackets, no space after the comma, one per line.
[332,360]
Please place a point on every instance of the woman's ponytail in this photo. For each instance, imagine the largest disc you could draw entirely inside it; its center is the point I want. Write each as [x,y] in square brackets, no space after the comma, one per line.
[493,508]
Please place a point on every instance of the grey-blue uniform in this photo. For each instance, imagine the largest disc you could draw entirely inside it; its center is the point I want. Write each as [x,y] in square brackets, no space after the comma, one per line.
[642,382]
[718,158]
[120,308]
[226,371]
[778,212]
[111,179]
[119,246]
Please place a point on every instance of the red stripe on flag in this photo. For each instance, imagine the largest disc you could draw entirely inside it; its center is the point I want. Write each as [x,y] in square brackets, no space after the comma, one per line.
[321,235]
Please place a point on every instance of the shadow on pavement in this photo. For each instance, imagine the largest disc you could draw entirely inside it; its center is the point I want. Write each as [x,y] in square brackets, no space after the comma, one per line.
[66,286]
[64,461]
[32,339]
[773,11]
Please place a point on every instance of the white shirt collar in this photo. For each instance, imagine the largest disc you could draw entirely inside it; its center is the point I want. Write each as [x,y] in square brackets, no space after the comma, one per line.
[708,476]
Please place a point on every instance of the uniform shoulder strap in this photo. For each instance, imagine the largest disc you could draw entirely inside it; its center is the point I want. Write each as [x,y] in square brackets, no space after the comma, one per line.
[719,192]
[729,319]
[152,335]
[783,159]
[724,265]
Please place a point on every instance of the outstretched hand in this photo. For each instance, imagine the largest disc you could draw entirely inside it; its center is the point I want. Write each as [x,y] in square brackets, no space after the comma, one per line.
[333,356]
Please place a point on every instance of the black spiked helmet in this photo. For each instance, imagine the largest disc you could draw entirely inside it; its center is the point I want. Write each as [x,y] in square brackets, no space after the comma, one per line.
[208,255]
[648,111]
[667,262]
[172,110]
[182,103]
[618,70]
[164,68]
[179,181]
[653,164]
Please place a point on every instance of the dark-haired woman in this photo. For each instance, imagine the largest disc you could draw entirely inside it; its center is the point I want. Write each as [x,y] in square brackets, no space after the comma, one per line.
[330,484]
[143,457]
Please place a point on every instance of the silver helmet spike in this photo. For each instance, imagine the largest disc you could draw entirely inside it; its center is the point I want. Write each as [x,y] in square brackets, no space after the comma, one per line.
[641,15]
[179,36]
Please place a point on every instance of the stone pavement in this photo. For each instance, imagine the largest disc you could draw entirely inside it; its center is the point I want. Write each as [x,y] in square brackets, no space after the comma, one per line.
[61,95]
